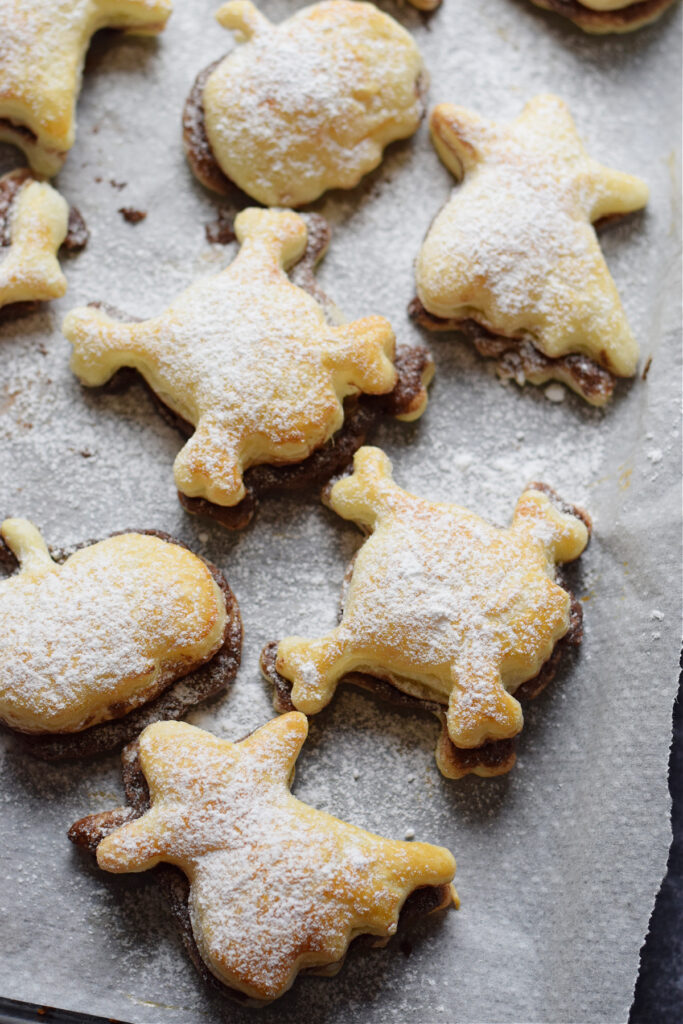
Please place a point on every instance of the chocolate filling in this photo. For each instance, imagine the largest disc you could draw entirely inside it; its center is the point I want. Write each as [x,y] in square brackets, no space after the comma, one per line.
[22,130]
[89,832]
[10,185]
[626,17]
[221,230]
[198,149]
[519,359]
[178,696]
[131,215]
[496,756]
[361,412]
[76,233]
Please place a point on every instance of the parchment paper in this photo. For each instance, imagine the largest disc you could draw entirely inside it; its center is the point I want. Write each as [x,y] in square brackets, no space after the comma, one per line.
[559,862]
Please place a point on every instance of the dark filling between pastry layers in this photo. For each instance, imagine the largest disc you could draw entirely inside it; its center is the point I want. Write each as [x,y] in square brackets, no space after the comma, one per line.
[361,415]
[519,358]
[582,15]
[76,233]
[89,832]
[23,134]
[19,129]
[496,756]
[197,146]
[178,696]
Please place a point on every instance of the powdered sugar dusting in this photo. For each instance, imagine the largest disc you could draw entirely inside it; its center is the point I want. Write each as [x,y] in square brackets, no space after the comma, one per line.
[310,104]
[514,248]
[42,46]
[247,357]
[36,227]
[456,607]
[589,789]
[98,631]
[275,884]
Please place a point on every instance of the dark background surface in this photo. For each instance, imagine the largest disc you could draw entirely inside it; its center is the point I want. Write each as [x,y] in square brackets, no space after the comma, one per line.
[659,989]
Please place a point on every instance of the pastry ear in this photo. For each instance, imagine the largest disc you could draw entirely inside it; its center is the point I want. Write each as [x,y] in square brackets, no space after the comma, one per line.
[564,536]
[480,709]
[26,544]
[362,353]
[280,742]
[459,137]
[102,345]
[209,465]
[549,117]
[314,667]
[242,18]
[136,846]
[362,496]
[281,233]
[616,192]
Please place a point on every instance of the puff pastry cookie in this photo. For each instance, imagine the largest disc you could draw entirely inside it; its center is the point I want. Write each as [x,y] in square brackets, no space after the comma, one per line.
[43,47]
[601,16]
[513,257]
[442,606]
[275,886]
[35,221]
[104,634]
[248,360]
[304,106]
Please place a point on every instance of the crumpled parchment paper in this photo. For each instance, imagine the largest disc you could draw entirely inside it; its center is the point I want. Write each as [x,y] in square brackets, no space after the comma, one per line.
[559,862]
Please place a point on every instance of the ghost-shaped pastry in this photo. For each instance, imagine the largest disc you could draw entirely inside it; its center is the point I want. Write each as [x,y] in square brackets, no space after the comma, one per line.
[514,250]
[276,886]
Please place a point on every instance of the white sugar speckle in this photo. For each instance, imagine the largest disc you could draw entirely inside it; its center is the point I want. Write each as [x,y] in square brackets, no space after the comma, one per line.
[555,393]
